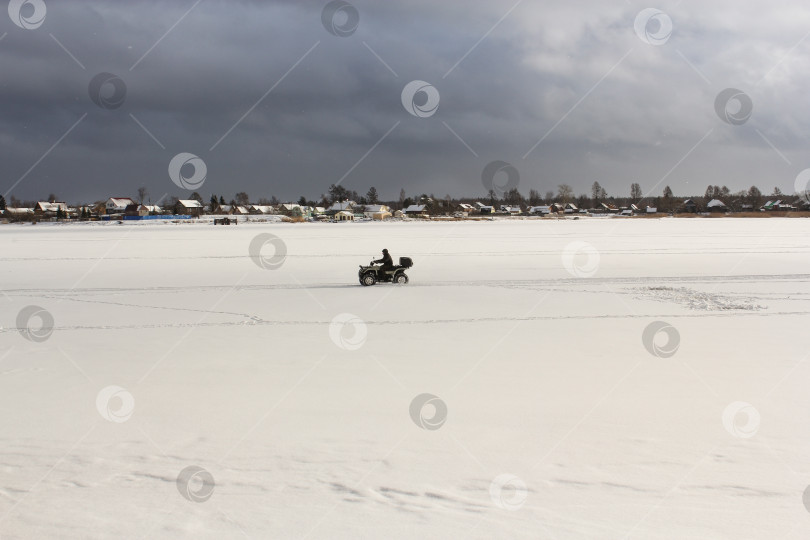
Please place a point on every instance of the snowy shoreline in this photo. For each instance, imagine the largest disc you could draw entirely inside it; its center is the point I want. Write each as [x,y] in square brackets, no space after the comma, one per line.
[249,220]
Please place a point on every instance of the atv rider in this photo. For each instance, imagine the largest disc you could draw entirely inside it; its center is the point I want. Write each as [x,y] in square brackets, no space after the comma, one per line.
[387,262]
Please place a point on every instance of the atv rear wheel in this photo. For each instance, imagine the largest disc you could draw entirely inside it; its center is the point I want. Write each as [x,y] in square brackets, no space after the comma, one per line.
[401,279]
[368,279]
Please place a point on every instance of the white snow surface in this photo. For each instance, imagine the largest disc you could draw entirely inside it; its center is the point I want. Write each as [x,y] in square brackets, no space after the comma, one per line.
[560,423]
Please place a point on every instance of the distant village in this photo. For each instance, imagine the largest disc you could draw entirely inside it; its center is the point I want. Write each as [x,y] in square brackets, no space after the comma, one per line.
[344,205]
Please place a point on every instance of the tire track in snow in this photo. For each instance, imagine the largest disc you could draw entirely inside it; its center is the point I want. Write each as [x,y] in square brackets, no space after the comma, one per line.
[487,254]
[797,278]
[424,321]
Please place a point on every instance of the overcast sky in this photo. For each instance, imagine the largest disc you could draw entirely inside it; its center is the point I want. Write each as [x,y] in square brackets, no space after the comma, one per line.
[275,104]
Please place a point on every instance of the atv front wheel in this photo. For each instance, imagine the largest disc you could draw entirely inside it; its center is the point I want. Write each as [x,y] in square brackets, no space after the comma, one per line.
[400,279]
[368,279]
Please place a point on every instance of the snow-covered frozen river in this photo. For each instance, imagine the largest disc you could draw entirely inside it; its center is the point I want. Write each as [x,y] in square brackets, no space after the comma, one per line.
[597,378]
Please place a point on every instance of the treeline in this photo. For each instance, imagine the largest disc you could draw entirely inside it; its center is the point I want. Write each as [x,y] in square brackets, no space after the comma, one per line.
[666,201]
[564,193]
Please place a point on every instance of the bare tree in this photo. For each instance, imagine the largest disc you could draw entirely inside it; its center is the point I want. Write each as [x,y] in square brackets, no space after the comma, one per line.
[596,190]
[513,197]
[565,192]
[666,201]
[242,198]
[754,196]
[635,192]
[142,194]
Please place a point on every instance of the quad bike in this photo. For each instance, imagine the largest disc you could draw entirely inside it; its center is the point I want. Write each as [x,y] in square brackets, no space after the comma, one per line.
[373,273]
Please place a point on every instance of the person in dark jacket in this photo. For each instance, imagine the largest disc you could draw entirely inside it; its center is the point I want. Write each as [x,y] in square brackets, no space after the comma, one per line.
[387,261]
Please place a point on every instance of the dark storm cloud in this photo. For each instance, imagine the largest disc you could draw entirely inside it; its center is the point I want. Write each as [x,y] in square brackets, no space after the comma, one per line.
[621,110]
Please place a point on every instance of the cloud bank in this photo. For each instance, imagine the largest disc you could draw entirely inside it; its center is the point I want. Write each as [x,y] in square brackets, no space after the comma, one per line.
[276,101]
